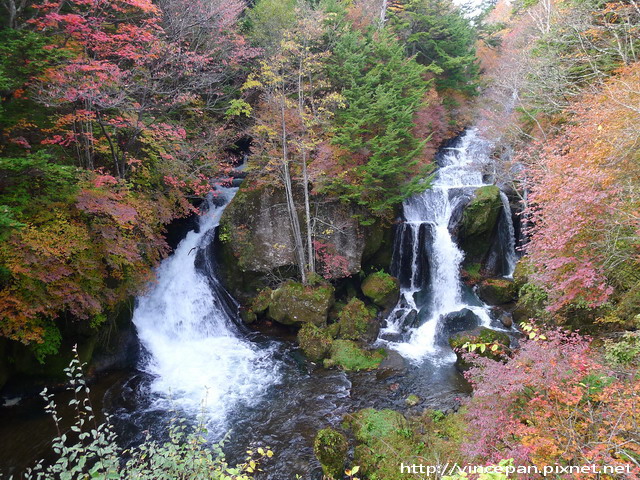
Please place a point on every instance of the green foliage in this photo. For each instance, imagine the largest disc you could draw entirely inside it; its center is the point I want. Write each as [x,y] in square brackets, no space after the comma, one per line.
[268,20]
[354,319]
[625,351]
[383,90]
[50,343]
[90,450]
[443,40]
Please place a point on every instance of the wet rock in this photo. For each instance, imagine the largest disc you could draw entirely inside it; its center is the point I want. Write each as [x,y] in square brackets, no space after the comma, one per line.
[497,291]
[506,319]
[460,321]
[412,400]
[314,342]
[294,303]
[411,320]
[356,321]
[455,220]
[479,222]
[382,289]
[393,365]
[330,448]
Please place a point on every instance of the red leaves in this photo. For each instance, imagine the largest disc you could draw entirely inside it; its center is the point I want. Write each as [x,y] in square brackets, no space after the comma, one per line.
[583,201]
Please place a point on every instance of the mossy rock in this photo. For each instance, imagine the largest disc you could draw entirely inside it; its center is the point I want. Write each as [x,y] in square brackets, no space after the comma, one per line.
[522,272]
[480,335]
[479,221]
[349,356]
[315,342]
[330,448]
[382,289]
[412,400]
[295,304]
[262,301]
[497,291]
[386,440]
[356,321]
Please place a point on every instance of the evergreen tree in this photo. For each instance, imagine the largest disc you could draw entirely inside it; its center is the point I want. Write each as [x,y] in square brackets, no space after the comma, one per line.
[442,39]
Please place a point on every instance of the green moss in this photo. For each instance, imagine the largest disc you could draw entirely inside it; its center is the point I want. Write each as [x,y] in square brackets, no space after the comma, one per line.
[314,342]
[497,291]
[382,289]
[262,301]
[355,319]
[472,272]
[330,448]
[294,303]
[479,221]
[412,400]
[347,355]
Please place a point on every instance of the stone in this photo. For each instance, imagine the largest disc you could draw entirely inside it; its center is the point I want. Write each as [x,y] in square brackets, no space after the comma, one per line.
[358,322]
[382,289]
[349,356]
[497,291]
[330,448]
[393,365]
[478,225]
[314,342]
[506,319]
[412,400]
[460,321]
[294,304]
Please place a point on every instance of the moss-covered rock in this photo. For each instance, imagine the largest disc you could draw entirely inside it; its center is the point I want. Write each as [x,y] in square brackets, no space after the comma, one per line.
[356,321]
[479,222]
[412,400]
[497,291]
[480,335]
[382,289]
[315,342]
[386,441]
[330,448]
[294,304]
[349,356]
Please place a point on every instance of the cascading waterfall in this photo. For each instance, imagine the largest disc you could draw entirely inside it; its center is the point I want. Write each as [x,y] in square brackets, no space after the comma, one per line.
[427,260]
[194,351]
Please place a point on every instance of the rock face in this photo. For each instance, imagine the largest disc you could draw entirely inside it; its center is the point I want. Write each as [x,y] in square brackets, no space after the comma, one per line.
[478,225]
[294,303]
[254,239]
[382,289]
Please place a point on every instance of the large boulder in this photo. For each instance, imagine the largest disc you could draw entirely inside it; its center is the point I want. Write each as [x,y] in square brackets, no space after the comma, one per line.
[295,304]
[255,240]
[382,289]
[356,321]
[456,322]
[497,291]
[478,226]
[315,342]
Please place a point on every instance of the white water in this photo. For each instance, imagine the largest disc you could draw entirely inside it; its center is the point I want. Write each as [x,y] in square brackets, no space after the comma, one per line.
[460,174]
[197,358]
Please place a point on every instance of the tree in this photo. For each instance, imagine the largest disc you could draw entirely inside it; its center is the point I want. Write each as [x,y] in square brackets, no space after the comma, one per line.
[442,39]
[376,151]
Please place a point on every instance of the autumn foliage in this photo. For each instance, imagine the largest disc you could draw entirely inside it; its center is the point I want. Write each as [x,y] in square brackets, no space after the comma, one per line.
[554,403]
[584,198]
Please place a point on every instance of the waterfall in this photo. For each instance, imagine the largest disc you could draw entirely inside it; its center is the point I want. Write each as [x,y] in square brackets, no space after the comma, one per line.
[194,351]
[424,242]
[508,238]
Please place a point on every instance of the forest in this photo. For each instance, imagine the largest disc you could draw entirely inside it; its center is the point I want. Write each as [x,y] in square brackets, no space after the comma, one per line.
[320,239]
